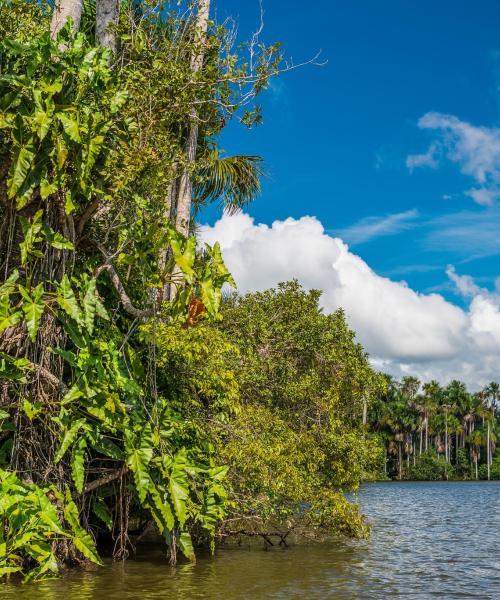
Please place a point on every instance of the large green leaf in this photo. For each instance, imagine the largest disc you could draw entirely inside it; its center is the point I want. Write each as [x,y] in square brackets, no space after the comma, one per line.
[41,122]
[184,251]
[69,436]
[22,159]
[186,545]
[210,295]
[90,305]
[8,316]
[33,307]
[163,507]
[107,447]
[56,240]
[178,485]
[67,300]
[102,512]
[70,126]
[8,287]
[31,236]
[10,320]
[138,460]
[78,464]
[81,538]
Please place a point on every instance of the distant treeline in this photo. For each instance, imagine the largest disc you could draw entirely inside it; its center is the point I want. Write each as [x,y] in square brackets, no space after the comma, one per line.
[433,432]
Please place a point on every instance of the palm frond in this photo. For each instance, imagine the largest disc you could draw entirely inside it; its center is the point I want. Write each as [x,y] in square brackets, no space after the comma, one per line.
[233,181]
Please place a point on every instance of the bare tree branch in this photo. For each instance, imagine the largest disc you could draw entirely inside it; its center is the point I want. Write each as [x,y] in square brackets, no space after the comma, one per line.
[139,313]
[97,483]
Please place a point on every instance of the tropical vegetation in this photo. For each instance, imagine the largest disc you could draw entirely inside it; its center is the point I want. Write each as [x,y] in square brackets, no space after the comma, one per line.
[137,394]
[133,397]
[430,431]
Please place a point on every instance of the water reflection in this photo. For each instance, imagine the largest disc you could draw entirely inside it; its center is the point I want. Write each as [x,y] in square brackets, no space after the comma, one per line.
[429,540]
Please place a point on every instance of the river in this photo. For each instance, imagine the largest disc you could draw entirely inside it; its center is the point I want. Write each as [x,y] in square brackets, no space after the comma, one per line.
[429,540]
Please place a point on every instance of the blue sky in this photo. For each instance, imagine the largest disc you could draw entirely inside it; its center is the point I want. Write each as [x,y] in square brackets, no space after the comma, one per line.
[336,138]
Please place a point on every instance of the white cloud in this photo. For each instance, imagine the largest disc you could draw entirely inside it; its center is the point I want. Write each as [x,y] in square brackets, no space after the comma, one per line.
[403,330]
[475,149]
[370,228]
[464,283]
[428,159]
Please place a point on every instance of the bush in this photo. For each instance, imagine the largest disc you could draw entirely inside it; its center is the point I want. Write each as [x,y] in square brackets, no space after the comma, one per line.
[431,467]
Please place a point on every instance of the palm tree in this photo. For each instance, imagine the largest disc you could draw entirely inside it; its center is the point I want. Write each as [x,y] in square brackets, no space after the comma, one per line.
[476,440]
[233,181]
[432,392]
[491,394]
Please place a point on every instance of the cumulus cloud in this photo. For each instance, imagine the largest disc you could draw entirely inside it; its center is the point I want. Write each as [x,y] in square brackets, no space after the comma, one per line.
[475,149]
[370,228]
[403,330]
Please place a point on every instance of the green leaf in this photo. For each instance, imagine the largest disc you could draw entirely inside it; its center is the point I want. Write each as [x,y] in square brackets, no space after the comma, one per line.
[78,464]
[138,460]
[33,307]
[67,301]
[31,409]
[22,159]
[31,237]
[184,251]
[47,188]
[72,329]
[8,287]
[73,394]
[163,507]
[81,538]
[102,512]
[10,569]
[178,485]
[118,101]
[70,126]
[90,305]
[69,206]
[218,265]
[68,438]
[186,545]
[41,122]
[10,320]
[56,240]
[61,151]
[105,446]
[210,296]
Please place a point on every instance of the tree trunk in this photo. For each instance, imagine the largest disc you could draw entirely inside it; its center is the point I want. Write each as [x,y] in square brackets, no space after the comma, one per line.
[426,433]
[488,450]
[107,13]
[400,460]
[63,10]
[185,195]
[365,411]
[446,436]
[421,440]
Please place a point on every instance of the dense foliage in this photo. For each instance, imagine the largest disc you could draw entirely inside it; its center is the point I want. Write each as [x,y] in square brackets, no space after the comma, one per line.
[125,404]
[304,381]
[293,382]
[434,432]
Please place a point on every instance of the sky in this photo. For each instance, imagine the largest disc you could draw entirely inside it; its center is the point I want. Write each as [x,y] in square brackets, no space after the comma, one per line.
[383,184]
